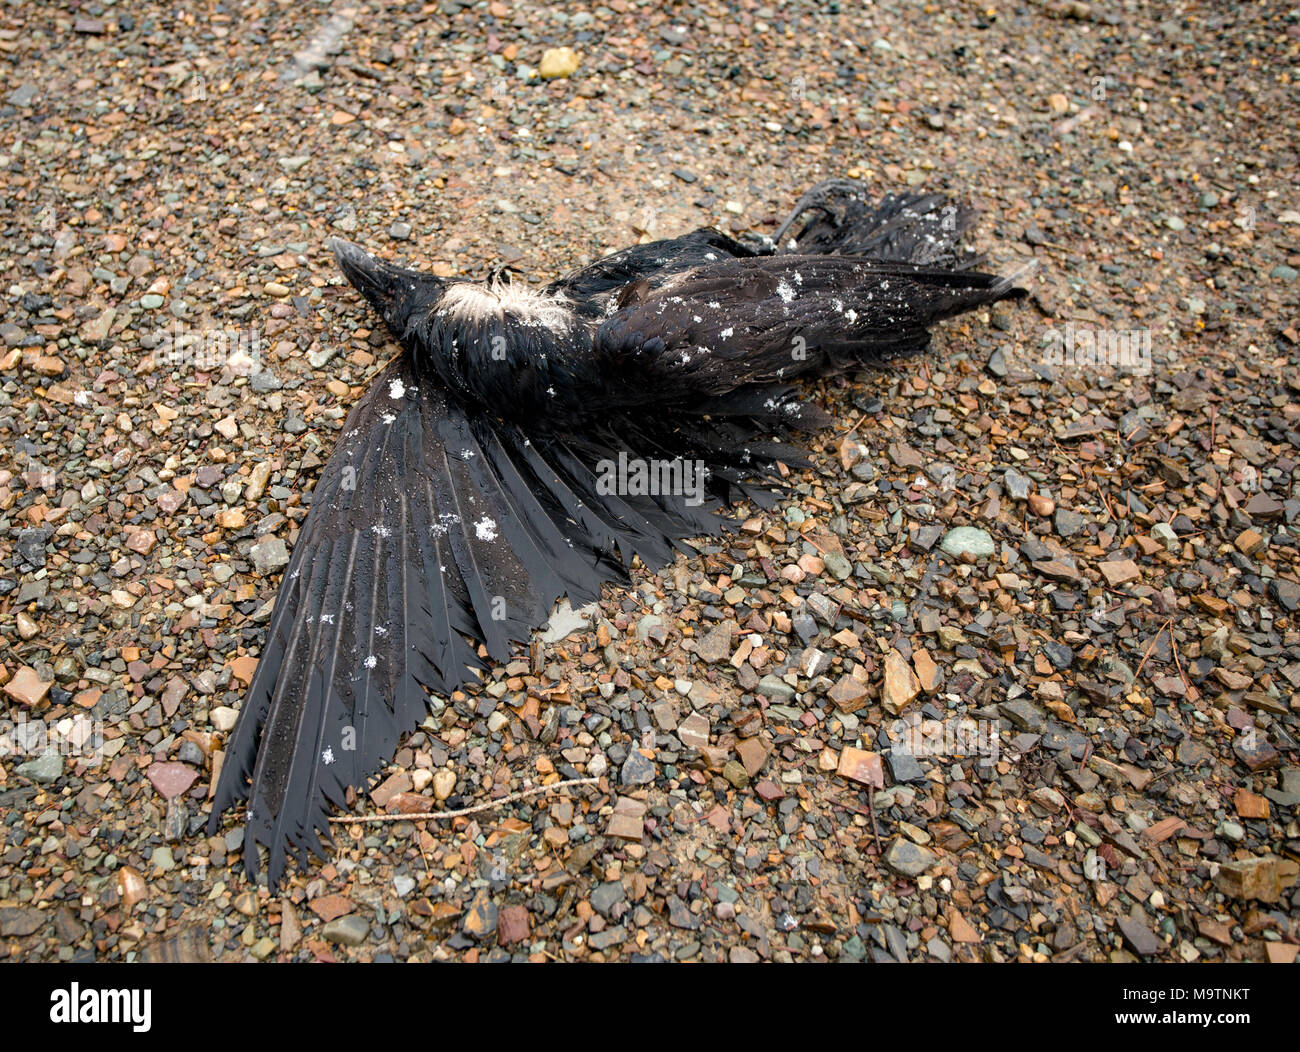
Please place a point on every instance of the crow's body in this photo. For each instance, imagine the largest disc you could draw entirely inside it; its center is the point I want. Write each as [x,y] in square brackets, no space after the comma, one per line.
[466,494]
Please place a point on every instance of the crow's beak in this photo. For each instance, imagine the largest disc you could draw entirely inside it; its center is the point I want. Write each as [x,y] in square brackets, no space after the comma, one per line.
[351,257]
[373,278]
[396,293]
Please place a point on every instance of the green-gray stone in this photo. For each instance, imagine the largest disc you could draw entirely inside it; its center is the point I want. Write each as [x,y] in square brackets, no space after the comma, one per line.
[962,539]
[347,931]
[775,688]
[734,772]
[46,768]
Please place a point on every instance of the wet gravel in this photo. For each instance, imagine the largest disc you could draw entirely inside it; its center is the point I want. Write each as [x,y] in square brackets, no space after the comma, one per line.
[1011,673]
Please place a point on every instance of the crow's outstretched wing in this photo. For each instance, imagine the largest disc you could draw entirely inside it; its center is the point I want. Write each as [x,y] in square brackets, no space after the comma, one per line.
[434,528]
[769,319]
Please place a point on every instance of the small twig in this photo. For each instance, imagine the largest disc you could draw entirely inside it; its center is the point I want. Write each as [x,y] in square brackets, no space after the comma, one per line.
[427,816]
[853,425]
[1179,665]
[875,832]
[1109,509]
[1150,646]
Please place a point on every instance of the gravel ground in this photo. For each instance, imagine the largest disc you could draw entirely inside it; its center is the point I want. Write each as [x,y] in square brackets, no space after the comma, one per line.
[1011,674]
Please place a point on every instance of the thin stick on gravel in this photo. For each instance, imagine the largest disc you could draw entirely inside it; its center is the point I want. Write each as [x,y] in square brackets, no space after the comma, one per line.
[1151,645]
[875,830]
[426,816]
[1178,663]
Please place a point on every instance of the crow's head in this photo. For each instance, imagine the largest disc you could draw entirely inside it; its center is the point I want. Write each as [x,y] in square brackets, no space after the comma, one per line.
[396,293]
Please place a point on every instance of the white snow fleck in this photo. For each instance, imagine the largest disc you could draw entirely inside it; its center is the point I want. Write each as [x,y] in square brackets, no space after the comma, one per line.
[725,333]
[371,661]
[485,529]
[328,755]
[852,316]
[396,389]
[381,529]
[388,418]
[784,290]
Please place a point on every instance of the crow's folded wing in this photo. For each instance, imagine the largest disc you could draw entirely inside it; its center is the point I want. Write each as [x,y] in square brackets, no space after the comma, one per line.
[436,527]
[652,262]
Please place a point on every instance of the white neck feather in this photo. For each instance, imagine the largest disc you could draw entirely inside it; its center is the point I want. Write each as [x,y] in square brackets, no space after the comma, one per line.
[476,302]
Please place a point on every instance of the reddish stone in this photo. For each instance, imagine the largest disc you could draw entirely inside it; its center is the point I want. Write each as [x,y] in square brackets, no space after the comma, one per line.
[961,929]
[848,695]
[1119,571]
[408,804]
[242,668]
[512,925]
[330,907]
[862,766]
[27,687]
[171,779]
[390,787]
[752,754]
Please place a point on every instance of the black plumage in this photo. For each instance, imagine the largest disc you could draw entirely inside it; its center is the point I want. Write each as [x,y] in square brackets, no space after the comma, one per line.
[470,487]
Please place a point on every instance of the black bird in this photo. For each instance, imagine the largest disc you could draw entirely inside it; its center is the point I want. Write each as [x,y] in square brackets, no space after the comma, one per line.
[473,484]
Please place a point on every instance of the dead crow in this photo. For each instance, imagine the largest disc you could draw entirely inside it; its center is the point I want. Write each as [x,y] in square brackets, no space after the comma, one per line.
[529,441]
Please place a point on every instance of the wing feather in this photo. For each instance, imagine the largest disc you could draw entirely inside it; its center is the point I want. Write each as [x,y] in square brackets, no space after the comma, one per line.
[434,528]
